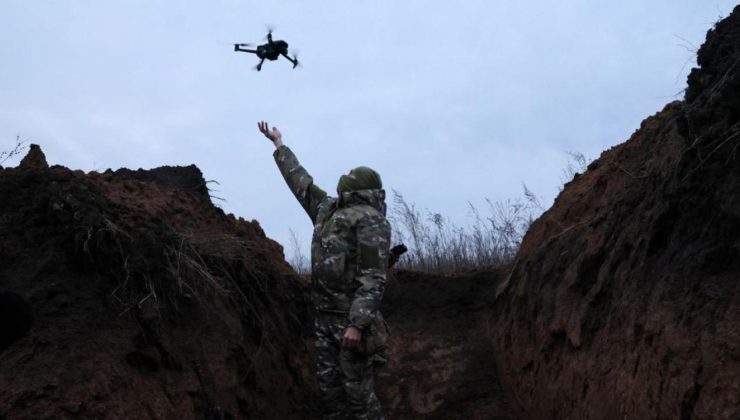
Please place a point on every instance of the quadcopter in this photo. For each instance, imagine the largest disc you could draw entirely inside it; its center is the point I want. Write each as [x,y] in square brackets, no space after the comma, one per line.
[270,51]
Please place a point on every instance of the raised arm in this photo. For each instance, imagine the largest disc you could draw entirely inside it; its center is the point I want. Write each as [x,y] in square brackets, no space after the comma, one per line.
[298,179]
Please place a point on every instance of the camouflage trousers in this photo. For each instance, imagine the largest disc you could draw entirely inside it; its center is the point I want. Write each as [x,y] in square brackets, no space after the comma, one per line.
[346,377]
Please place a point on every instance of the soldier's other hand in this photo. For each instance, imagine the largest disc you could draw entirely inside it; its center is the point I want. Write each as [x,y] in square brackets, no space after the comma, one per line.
[351,339]
[274,134]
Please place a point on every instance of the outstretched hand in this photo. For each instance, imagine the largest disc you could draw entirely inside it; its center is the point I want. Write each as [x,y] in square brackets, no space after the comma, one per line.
[274,135]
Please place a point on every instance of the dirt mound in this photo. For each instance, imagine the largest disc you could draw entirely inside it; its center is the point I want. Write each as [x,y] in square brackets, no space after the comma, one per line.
[623,301]
[129,295]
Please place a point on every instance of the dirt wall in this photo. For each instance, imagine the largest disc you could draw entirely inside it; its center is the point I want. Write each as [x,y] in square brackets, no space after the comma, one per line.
[129,295]
[624,298]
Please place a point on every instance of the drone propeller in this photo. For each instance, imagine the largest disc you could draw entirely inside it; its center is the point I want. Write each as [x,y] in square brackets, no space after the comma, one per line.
[238,46]
[270,29]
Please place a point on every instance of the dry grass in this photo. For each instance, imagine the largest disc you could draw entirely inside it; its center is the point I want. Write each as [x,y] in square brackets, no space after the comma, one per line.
[297,259]
[438,244]
[17,149]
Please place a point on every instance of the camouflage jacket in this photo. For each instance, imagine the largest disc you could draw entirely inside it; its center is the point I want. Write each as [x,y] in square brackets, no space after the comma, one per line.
[349,249]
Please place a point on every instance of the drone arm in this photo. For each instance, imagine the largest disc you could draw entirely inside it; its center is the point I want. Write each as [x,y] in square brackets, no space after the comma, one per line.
[247,50]
[292,60]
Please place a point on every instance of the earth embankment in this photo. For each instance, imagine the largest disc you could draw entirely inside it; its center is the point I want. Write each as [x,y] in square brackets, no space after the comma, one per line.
[128,294]
[623,302]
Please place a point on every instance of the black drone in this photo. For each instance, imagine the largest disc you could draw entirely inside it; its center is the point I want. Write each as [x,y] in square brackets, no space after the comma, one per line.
[270,51]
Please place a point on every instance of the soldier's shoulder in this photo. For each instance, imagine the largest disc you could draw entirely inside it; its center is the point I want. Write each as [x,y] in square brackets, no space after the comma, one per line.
[328,201]
[326,205]
[369,216]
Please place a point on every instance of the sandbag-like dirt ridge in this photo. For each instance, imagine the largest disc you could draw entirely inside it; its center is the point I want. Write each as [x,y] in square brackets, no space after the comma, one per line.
[623,301]
[129,295]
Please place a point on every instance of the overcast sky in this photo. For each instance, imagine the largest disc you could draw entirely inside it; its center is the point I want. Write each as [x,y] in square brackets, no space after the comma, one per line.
[450,101]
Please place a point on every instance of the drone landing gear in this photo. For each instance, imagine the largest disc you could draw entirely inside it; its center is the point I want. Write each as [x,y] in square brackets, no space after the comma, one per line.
[259,66]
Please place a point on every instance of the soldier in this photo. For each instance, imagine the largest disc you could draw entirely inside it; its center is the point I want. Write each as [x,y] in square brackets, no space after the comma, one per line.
[349,258]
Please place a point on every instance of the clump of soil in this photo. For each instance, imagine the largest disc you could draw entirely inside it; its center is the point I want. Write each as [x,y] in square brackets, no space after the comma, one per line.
[623,301]
[130,295]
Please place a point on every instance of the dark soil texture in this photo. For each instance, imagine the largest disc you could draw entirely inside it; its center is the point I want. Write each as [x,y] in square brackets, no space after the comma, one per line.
[129,295]
[441,364]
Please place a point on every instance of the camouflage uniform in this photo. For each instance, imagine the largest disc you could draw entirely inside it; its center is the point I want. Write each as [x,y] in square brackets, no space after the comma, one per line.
[349,256]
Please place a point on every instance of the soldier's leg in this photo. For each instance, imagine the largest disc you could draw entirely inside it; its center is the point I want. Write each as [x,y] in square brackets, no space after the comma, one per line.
[328,371]
[360,386]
